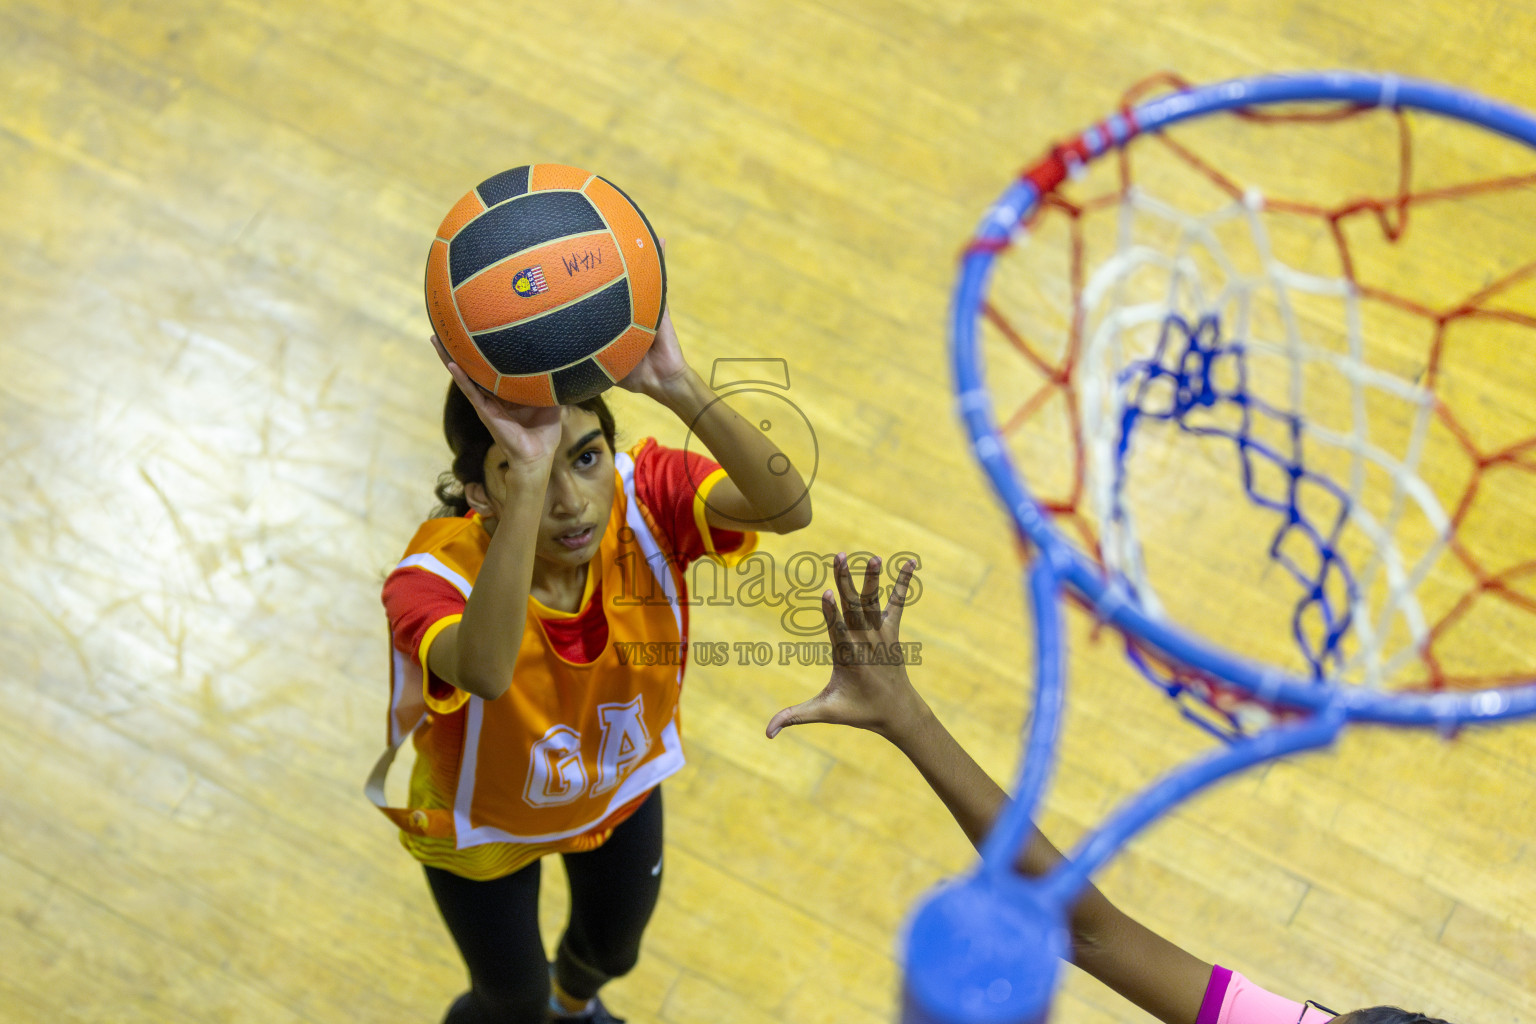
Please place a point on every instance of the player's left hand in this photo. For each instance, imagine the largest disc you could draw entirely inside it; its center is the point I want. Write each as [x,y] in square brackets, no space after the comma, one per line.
[662,369]
[869,688]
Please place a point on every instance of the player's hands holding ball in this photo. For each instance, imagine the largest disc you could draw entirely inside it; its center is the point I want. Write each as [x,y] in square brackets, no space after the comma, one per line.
[526,434]
[869,688]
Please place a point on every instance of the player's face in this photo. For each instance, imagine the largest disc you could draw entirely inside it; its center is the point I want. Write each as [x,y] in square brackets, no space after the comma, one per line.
[578,497]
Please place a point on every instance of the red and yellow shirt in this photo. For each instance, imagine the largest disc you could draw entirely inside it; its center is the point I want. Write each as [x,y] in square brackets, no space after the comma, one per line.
[586,730]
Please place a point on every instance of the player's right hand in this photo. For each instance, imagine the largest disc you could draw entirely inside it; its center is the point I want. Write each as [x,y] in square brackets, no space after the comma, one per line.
[527,434]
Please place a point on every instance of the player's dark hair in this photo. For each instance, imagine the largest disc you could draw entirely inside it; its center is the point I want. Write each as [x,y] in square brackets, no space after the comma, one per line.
[469,441]
[1390,1015]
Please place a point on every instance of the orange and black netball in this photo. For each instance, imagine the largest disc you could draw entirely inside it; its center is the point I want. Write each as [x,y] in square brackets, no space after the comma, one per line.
[546,284]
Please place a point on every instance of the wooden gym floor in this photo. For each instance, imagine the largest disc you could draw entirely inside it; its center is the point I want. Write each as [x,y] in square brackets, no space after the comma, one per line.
[218,424]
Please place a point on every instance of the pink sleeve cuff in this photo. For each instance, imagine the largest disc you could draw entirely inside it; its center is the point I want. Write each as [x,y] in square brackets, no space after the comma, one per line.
[1215,995]
[1231,998]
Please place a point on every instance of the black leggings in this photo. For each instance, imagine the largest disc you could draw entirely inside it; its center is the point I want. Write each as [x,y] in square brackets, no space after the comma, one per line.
[496,924]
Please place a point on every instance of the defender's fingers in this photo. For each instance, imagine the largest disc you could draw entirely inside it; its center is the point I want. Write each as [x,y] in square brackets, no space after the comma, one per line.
[852,607]
[899,593]
[779,721]
[837,630]
[869,598]
[799,714]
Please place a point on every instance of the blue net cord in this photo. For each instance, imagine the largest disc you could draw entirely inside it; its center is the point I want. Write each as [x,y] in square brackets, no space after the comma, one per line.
[1084,574]
[1222,724]
[1179,383]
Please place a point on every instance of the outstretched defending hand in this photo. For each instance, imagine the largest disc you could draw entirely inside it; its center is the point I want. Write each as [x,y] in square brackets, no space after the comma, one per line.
[1147,969]
[869,688]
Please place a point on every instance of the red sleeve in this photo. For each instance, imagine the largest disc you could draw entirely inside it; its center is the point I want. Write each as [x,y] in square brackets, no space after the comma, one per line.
[667,480]
[414,599]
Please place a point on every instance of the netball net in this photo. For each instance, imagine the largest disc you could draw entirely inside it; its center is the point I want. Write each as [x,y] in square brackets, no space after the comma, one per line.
[1288,352]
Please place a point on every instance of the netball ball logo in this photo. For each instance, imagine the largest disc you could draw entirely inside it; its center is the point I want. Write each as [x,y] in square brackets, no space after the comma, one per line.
[529,282]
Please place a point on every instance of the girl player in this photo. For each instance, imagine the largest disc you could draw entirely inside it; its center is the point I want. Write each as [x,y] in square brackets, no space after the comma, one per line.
[539,630]
[1150,971]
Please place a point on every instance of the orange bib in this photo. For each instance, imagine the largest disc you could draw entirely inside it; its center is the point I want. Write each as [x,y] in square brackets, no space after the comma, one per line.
[568,745]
